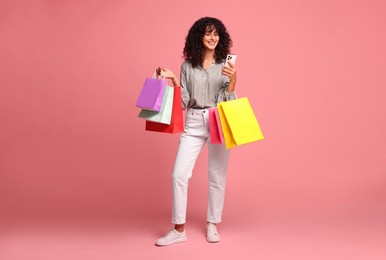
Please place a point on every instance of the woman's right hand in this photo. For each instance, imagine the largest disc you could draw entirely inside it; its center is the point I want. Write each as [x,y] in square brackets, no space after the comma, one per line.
[168,74]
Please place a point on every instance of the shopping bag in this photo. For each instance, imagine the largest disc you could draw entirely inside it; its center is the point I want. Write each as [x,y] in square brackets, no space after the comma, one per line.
[176,122]
[151,94]
[238,122]
[215,129]
[165,114]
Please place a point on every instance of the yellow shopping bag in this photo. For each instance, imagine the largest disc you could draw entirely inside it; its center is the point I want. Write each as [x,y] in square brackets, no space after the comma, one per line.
[238,122]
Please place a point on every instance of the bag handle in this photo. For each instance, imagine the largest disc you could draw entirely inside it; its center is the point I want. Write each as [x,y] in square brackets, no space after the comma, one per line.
[226,94]
[157,74]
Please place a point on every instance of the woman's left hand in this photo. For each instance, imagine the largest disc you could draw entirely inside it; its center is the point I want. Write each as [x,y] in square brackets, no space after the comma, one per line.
[230,71]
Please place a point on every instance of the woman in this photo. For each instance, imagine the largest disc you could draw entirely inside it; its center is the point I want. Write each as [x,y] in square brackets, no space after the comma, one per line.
[205,81]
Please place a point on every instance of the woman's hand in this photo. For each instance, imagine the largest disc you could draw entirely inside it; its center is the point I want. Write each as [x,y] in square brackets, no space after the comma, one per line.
[230,72]
[168,74]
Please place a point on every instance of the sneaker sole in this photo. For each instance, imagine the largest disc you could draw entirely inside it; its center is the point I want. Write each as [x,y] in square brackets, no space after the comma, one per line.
[213,241]
[173,242]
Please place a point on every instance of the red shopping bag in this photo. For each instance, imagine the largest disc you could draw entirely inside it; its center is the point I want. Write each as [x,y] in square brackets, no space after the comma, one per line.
[176,123]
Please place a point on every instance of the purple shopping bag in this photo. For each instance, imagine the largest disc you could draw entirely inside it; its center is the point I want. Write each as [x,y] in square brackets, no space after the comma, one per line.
[151,94]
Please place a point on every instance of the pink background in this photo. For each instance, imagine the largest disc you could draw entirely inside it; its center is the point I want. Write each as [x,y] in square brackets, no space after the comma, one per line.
[81,179]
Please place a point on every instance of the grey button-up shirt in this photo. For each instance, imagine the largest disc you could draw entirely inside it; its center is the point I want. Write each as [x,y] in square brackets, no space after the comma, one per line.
[203,88]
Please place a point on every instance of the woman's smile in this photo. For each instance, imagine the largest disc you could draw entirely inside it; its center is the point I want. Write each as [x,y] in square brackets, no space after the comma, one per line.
[210,39]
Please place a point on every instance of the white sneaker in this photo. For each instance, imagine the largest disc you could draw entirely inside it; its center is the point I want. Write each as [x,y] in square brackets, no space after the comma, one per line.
[211,233]
[172,237]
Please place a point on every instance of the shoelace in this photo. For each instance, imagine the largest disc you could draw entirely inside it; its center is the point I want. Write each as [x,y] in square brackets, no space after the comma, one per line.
[170,234]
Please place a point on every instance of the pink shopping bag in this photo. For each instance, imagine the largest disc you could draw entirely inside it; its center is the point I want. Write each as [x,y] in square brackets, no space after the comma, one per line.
[215,129]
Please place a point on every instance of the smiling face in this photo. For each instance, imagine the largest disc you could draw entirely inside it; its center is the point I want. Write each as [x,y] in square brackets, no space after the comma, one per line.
[210,38]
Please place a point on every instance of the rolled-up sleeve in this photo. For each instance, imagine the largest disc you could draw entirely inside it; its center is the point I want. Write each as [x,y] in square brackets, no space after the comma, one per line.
[183,82]
[223,94]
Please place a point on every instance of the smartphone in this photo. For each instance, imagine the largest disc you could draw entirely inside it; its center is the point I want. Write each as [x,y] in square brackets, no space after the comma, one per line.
[231,58]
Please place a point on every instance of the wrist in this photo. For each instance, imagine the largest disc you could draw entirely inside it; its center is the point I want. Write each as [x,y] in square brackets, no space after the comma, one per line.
[175,81]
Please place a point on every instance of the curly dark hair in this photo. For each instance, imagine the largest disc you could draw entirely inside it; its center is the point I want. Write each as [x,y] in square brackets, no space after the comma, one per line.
[194,49]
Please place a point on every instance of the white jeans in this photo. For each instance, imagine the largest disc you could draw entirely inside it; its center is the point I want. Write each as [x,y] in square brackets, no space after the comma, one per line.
[196,134]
